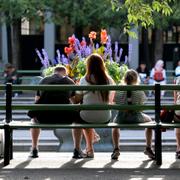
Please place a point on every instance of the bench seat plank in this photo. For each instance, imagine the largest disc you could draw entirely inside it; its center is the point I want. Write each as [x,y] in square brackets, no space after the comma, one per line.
[170,125]
[27,125]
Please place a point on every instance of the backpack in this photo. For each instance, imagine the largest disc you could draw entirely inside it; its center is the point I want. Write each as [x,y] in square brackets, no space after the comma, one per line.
[158,76]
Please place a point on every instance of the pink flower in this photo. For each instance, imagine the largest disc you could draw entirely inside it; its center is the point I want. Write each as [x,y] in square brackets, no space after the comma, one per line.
[83,43]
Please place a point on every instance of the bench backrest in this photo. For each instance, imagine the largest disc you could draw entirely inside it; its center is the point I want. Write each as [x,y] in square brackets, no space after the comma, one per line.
[9,88]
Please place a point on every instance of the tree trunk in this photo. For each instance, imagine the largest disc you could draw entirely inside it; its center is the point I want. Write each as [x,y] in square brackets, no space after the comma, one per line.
[158,44]
[145,47]
[15,30]
[9,43]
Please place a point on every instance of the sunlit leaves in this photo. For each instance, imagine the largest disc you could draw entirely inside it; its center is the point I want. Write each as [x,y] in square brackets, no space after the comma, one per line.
[142,13]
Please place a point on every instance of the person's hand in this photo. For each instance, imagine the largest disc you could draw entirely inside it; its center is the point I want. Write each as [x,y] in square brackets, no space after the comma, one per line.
[14,77]
[36,98]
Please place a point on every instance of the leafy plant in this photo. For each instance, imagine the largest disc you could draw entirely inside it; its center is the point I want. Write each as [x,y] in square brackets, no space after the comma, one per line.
[77,52]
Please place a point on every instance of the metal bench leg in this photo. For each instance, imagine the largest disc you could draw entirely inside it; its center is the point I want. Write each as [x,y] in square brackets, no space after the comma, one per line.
[11,144]
[6,145]
[158,145]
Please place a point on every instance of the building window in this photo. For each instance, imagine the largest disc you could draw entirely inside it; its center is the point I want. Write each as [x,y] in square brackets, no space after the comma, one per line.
[31,27]
[25,27]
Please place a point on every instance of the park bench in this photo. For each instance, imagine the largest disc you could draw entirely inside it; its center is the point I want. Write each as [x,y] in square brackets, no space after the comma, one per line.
[9,125]
[26,76]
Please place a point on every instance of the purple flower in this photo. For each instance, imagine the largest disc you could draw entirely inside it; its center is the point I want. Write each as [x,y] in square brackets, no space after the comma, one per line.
[116,51]
[46,59]
[83,47]
[58,56]
[126,60]
[40,57]
[97,45]
[88,51]
[108,49]
[108,43]
[120,53]
[130,51]
[64,60]
[110,54]
[55,61]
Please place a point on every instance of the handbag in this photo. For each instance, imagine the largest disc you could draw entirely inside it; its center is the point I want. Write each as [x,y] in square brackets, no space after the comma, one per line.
[167,116]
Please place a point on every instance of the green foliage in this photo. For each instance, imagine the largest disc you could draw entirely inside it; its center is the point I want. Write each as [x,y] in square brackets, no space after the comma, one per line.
[175,16]
[79,13]
[91,13]
[13,10]
[143,13]
[116,71]
[50,70]
[165,21]
[81,68]
[83,13]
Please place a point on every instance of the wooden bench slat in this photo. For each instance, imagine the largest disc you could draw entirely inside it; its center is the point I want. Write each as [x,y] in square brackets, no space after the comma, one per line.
[27,125]
[80,107]
[170,125]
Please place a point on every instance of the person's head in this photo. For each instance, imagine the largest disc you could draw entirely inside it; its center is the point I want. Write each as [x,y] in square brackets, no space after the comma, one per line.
[178,63]
[142,66]
[96,73]
[96,70]
[131,77]
[159,64]
[60,70]
[9,68]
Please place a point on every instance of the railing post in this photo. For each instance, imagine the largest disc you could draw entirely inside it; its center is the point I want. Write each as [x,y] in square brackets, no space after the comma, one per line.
[8,102]
[158,135]
[6,144]
[7,130]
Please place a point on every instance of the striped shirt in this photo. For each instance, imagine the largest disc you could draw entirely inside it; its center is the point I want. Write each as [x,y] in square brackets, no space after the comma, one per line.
[138,97]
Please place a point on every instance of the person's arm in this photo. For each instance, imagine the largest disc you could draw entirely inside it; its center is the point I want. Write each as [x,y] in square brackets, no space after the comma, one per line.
[152,74]
[111,93]
[141,97]
[36,98]
[77,96]
[147,76]
[38,93]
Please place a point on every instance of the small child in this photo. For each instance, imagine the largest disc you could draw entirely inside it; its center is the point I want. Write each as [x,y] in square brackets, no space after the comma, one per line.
[10,74]
[129,117]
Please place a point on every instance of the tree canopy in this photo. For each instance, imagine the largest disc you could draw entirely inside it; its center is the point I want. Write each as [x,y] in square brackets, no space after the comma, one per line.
[95,13]
[143,13]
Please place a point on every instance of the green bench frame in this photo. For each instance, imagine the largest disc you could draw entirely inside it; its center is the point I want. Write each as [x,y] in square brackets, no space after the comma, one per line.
[9,125]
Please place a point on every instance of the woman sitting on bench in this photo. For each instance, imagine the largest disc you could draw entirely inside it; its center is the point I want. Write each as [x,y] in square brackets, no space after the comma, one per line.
[95,75]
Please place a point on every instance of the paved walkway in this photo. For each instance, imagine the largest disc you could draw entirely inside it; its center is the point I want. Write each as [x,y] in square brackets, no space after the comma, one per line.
[57,166]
